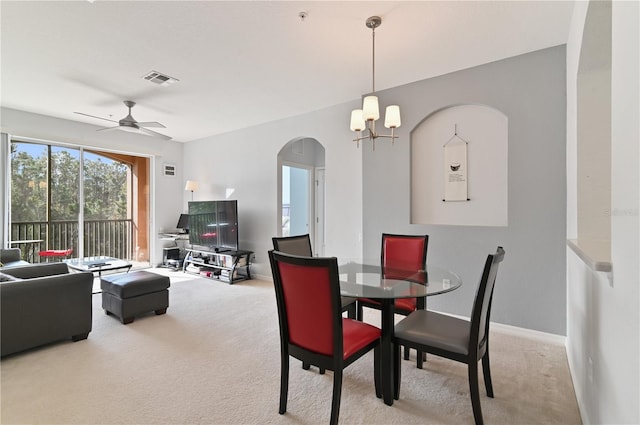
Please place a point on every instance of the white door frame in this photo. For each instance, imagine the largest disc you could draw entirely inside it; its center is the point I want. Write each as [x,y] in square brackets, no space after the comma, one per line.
[319,211]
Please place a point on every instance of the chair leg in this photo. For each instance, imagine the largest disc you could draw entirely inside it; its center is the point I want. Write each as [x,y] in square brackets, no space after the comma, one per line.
[321,371]
[284,382]
[352,312]
[406,353]
[337,392]
[377,371]
[397,368]
[360,313]
[421,357]
[486,371]
[475,392]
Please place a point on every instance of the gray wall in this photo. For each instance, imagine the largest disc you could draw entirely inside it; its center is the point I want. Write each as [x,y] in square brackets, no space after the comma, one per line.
[247,161]
[530,90]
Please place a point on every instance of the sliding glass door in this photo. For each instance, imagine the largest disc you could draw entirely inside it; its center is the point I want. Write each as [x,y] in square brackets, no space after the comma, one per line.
[73,198]
[107,207]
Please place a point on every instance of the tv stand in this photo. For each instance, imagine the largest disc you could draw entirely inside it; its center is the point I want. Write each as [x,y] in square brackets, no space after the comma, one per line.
[226,266]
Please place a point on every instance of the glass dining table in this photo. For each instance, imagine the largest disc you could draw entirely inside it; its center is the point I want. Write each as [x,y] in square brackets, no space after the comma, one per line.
[361,280]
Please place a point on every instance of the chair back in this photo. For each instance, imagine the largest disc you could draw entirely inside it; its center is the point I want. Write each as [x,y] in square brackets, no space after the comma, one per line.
[308,298]
[480,315]
[403,255]
[296,245]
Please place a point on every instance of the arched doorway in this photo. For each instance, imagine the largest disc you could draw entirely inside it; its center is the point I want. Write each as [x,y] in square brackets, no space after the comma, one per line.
[301,190]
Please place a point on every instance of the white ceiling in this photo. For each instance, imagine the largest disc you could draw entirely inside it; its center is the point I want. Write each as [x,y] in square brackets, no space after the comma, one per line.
[242,63]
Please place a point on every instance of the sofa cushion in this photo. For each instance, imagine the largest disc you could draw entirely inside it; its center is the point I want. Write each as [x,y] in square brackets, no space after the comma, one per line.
[7,278]
[19,263]
[32,271]
[11,257]
[7,255]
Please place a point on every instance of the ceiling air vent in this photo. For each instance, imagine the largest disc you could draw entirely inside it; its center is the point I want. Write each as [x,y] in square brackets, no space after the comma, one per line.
[161,79]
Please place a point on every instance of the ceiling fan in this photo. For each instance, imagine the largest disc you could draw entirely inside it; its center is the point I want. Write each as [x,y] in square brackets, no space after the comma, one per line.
[129,123]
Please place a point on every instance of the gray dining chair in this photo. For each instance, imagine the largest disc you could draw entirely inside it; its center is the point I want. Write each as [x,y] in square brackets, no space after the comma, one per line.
[465,341]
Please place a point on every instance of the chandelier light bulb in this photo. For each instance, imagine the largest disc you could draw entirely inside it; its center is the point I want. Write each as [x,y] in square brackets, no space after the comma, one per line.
[370,110]
[392,117]
[357,122]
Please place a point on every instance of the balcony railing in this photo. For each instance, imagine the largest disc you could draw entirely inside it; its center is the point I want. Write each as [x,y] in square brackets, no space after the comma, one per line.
[111,238]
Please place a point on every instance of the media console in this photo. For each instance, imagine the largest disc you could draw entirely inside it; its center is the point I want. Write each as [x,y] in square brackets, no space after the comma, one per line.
[226,266]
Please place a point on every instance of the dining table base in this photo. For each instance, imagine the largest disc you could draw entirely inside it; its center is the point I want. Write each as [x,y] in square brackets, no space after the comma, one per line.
[386,351]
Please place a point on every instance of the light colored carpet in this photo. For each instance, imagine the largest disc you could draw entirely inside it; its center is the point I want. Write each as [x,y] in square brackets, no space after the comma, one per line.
[214,359]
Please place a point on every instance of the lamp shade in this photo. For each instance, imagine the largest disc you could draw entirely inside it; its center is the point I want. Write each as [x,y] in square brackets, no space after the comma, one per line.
[370,110]
[392,117]
[357,122]
[191,185]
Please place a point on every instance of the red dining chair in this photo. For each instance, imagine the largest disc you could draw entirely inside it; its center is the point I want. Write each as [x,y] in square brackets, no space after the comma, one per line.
[465,341]
[301,245]
[401,257]
[312,328]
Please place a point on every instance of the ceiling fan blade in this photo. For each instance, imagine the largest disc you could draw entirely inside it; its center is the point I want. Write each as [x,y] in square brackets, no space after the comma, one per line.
[154,133]
[109,128]
[150,124]
[139,130]
[93,116]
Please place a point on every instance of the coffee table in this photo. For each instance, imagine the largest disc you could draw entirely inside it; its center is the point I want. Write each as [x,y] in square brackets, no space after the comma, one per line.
[97,264]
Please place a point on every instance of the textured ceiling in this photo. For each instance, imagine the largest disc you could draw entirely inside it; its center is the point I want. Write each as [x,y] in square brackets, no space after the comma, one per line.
[243,63]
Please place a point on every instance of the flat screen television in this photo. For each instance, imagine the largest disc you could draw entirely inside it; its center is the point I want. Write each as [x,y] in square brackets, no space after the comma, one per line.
[213,225]
[183,223]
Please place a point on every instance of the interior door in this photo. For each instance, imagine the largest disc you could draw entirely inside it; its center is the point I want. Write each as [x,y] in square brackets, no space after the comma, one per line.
[296,200]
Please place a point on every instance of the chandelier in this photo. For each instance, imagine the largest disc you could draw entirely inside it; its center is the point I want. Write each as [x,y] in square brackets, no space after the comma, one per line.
[363,121]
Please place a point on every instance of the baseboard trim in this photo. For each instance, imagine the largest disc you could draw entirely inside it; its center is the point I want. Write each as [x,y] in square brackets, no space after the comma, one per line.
[543,337]
[256,276]
[531,334]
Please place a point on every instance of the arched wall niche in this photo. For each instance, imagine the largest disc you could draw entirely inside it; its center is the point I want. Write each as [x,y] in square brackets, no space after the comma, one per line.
[485,129]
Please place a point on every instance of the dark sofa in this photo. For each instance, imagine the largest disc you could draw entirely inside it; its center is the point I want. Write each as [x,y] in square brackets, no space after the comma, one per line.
[10,257]
[43,303]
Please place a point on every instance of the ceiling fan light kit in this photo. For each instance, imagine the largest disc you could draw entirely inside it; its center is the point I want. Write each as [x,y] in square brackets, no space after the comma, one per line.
[363,121]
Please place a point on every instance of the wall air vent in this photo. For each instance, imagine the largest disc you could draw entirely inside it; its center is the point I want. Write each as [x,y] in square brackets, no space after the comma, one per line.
[161,79]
